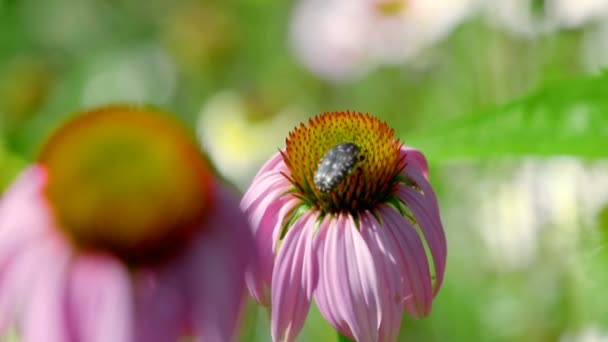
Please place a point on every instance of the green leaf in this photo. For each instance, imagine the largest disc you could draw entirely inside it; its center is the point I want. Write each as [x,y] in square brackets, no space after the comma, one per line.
[566,118]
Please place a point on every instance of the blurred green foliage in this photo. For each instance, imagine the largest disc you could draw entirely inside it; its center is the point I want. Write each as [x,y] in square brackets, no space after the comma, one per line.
[566,118]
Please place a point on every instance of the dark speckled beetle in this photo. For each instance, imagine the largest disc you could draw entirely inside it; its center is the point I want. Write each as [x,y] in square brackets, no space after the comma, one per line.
[338,162]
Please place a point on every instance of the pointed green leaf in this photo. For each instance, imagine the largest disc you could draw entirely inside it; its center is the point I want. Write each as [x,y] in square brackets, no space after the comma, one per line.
[567,118]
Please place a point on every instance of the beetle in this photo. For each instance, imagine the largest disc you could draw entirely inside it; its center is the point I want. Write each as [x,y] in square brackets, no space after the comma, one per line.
[338,162]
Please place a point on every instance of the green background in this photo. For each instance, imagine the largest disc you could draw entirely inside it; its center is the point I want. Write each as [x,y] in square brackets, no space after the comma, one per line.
[515,130]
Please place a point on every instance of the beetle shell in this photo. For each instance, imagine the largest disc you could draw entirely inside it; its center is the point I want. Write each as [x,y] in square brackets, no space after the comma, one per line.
[338,162]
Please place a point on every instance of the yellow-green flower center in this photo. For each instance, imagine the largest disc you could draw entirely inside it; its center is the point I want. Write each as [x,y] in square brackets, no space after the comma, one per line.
[343,162]
[127,180]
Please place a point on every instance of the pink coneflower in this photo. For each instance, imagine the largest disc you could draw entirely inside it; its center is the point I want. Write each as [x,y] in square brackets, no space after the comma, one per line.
[340,214]
[120,232]
[342,40]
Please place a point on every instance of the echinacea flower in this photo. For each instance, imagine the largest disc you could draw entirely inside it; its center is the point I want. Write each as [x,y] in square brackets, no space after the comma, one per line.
[342,40]
[340,214]
[120,232]
[403,29]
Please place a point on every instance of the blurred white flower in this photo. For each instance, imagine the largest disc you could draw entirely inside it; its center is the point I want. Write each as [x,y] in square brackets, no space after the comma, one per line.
[594,48]
[552,198]
[507,220]
[236,144]
[572,13]
[531,18]
[589,333]
[342,39]
[520,17]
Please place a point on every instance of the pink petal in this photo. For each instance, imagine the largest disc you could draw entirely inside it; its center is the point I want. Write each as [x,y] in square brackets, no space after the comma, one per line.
[266,206]
[327,303]
[260,207]
[275,163]
[101,299]
[349,281]
[16,280]
[416,158]
[267,237]
[294,279]
[427,217]
[45,315]
[258,288]
[412,262]
[426,211]
[269,174]
[25,223]
[160,306]
[24,213]
[214,268]
[389,263]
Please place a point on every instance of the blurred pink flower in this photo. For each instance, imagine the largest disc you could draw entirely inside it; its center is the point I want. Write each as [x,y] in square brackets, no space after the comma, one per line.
[343,39]
[403,29]
[339,215]
[330,37]
[67,279]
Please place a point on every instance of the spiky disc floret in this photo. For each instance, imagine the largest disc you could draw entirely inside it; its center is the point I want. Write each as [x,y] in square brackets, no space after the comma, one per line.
[361,186]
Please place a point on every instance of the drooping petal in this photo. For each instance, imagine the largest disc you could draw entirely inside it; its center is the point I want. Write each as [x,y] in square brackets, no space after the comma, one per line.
[324,295]
[100,300]
[16,281]
[24,222]
[275,163]
[45,313]
[294,279]
[324,302]
[214,268]
[159,301]
[23,212]
[350,282]
[269,174]
[389,263]
[428,219]
[414,266]
[260,207]
[425,209]
[415,158]
[266,238]
[266,206]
